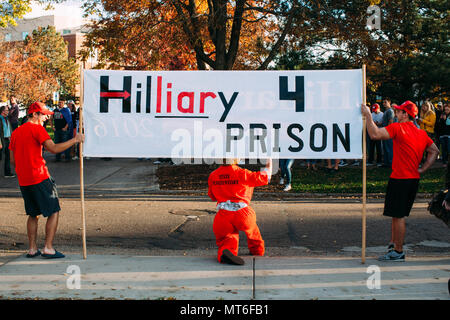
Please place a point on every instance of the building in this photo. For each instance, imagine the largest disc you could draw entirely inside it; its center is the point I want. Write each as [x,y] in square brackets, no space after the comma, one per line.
[72,30]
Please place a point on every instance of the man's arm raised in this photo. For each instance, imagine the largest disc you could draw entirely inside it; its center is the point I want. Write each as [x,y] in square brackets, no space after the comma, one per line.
[375,133]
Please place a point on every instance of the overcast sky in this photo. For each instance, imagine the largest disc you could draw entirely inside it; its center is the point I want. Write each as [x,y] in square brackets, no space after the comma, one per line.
[68,8]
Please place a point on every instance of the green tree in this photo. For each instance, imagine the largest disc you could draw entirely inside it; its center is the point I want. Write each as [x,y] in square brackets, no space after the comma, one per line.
[407,58]
[10,10]
[51,45]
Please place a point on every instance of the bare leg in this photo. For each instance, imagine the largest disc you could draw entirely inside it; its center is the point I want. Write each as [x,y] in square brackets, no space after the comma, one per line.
[399,227]
[392,233]
[32,228]
[50,231]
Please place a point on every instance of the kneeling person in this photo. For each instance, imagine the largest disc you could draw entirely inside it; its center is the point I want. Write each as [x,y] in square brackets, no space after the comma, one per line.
[232,188]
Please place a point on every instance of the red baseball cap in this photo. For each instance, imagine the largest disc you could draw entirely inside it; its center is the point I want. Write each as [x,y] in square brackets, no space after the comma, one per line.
[409,107]
[375,107]
[39,107]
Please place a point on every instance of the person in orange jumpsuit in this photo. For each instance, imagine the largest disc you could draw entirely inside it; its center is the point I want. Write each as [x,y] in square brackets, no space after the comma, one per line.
[232,188]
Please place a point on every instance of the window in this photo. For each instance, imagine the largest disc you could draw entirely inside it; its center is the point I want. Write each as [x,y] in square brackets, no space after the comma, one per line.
[24,35]
[66,31]
[8,37]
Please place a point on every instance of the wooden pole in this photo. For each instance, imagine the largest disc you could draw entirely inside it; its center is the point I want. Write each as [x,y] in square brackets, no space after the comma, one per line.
[83,214]
[364,177]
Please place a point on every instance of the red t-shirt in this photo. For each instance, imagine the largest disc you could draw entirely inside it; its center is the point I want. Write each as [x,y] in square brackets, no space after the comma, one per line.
[234,183]
[409,146]
[26,143]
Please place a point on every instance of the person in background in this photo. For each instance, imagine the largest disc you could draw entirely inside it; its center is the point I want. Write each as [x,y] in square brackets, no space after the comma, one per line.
[332,168]
[375,145]
[388,118]
[13,115]
[437,129]
[62,122]
[444,130]
[427,119]
[5,136]
[75,116]
[311,164]
[286,173]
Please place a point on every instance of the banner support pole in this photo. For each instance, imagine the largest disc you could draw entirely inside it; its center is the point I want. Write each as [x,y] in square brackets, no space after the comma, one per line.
[364,173]
[81,127]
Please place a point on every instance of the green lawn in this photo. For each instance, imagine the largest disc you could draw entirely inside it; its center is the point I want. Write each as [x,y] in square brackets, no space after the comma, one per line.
[50,131]
[349,180]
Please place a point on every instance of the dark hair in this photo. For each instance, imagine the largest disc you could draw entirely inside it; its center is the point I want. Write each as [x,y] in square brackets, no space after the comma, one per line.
[30,115]
[3,108]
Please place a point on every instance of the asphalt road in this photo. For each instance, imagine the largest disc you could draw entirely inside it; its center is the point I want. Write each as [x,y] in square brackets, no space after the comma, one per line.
[180,225]
[127,213]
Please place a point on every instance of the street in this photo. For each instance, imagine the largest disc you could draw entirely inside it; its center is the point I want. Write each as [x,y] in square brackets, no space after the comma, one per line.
[182,225]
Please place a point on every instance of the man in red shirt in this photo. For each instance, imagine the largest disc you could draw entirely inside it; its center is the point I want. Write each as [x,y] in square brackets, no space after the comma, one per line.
[36,185]
[409,145]
[232,188]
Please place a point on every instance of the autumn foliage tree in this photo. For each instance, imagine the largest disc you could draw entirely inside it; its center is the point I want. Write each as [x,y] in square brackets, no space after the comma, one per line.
[34,69]
[21,74]
[189,34]
[50,44]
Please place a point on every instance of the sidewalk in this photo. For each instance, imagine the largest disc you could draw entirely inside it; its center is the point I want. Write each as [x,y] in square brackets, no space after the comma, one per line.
[202,278]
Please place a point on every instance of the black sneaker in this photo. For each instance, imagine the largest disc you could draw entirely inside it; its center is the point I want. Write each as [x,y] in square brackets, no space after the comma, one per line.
[228,257]
[390,247]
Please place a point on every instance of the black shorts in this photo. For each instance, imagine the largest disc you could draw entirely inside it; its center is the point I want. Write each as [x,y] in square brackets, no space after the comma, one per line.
[400,196]
[41,198]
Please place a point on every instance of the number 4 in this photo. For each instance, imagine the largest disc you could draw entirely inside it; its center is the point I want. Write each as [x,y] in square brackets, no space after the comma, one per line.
[298,95]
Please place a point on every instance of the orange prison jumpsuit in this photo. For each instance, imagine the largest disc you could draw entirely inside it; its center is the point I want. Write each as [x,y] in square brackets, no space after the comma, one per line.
[236,185]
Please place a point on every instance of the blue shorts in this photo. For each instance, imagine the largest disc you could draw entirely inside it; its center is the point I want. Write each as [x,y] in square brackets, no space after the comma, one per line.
[41,198]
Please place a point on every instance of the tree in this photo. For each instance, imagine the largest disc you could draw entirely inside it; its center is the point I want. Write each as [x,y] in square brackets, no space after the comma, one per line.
[195,34]
[11,10]
[50,44]
[22,75]
[407,58]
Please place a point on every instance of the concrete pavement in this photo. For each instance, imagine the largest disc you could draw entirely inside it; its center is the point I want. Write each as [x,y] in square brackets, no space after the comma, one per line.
[202,278]
[121,276]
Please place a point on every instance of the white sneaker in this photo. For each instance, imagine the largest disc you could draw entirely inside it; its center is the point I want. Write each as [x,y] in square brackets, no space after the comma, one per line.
[287,188]
[343,163]
[281,181]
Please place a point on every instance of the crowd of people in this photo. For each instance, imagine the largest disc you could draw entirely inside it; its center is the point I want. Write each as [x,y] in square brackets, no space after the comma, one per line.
[63,123]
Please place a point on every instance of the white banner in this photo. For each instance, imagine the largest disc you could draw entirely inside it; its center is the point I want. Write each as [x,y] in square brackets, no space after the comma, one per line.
[223,114]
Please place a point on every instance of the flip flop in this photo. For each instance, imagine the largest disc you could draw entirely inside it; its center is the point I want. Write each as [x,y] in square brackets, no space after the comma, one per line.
[56,255]
[37,253]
